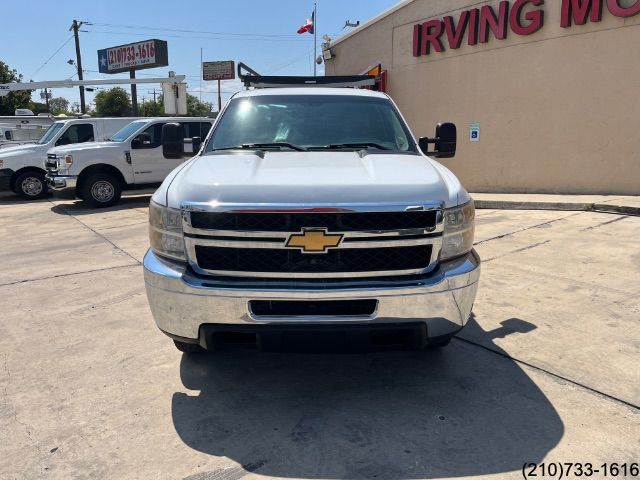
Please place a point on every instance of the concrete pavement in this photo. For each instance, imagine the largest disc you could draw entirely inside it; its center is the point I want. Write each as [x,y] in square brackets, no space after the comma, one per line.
[547,369]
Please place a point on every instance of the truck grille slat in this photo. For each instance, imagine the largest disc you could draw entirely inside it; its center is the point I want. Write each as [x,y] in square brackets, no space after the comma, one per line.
[333,222]
[293,261]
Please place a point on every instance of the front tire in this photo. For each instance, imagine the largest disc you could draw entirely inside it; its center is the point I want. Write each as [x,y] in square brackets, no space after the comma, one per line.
[188,347]
[101,190]
[30,185]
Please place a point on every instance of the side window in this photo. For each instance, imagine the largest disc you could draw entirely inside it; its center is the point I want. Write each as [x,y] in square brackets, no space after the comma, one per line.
[149,138]
[78,133]
[196,129]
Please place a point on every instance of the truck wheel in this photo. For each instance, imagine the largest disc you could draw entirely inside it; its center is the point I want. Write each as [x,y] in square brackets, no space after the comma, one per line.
[439,342]
[188,347]
[101,190]
[30,185]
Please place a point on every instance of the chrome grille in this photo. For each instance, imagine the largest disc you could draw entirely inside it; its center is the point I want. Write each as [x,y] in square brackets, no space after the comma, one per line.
[251,242]
[51,163]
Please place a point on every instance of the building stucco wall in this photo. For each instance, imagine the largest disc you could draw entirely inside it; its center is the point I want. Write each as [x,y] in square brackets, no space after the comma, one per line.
[559,110]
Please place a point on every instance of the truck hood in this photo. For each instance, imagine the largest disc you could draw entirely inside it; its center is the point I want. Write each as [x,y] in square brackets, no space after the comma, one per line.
[311,179]
[19,150]
[80,147]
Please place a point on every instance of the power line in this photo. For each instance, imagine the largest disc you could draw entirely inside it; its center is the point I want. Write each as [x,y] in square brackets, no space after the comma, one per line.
[193,37]
[52,55]
[163,29]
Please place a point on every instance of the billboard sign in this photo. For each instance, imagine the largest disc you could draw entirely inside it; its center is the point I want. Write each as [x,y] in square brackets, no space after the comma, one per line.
[133,56]
[224,70]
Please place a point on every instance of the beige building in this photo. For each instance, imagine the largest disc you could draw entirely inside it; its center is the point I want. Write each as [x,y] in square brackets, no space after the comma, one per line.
[545,94]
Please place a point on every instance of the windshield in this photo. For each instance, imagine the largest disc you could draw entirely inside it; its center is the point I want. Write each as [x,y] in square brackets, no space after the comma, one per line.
[50,133]
[128,130]
[314,122]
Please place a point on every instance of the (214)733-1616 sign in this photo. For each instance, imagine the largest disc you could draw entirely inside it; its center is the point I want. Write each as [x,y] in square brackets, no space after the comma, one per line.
[133,56]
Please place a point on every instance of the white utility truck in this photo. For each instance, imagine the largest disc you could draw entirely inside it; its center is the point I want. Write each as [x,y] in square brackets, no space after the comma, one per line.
[12,135]
[22,166]
[97,172]
[311,214]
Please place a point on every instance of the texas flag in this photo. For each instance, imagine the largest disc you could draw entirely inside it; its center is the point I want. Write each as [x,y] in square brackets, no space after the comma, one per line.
[308,27]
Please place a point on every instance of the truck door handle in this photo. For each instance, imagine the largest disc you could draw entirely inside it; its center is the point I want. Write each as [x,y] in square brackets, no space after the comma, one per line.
[127,157]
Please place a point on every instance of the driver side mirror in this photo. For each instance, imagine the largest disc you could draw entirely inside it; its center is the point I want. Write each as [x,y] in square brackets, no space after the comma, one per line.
[172,140]
[444,141]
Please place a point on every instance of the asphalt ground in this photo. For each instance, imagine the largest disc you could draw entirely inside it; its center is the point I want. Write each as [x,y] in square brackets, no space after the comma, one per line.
[547,369]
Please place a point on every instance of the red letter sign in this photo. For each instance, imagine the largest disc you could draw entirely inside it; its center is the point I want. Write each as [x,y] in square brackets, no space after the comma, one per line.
[578,10]
[431,32]
[455,34]
[497,25]
[535,18]
[615,9]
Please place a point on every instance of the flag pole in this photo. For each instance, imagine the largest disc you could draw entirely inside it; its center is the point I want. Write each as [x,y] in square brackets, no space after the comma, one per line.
[315,33]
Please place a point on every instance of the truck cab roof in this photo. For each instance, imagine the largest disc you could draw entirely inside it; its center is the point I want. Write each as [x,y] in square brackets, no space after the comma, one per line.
[354,92]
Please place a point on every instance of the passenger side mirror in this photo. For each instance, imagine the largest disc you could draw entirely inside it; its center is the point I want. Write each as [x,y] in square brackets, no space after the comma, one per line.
[444,142]
[197,143]
[172,140]
[141,141]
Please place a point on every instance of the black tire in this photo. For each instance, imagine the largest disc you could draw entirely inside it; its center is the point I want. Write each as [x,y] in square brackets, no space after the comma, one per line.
[188,347]
[30,185]
[101,190]
[435,343]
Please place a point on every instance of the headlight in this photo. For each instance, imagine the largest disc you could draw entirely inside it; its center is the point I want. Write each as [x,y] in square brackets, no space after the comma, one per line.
[459,225]
[165,231]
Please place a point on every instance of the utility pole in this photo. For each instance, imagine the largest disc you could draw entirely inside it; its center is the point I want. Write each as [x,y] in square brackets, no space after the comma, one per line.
[315,33]
[134,93]
[75,26]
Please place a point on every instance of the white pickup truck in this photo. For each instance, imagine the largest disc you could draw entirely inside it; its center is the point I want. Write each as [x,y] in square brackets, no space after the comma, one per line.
[21,166]
[97,172]
[312,213]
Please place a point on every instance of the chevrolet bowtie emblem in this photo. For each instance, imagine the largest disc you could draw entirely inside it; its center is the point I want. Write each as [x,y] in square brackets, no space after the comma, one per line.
[313,241]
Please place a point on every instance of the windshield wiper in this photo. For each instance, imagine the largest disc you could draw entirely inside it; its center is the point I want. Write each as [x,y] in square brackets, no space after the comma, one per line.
[259,146]
[339,146]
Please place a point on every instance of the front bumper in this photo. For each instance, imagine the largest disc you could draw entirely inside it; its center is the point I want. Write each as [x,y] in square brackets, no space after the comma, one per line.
[5,178]
[62,183]
[182,302]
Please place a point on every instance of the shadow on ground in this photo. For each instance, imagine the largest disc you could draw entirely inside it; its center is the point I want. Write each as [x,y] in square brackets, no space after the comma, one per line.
[10,198]
[78,207]
[461,411]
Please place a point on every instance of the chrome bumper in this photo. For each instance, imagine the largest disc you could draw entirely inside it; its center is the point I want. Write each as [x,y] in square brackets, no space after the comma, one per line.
[61,183]
[181,302]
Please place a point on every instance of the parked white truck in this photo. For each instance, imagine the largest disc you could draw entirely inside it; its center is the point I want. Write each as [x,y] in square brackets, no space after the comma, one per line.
[22,167]
[12,135]
[312,213]
[97,172]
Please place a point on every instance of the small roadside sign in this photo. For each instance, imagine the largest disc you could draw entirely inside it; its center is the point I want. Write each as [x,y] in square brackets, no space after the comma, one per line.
[474,132]
[223,70]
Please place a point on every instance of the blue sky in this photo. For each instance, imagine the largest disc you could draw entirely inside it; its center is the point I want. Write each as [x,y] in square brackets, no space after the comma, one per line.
[259,33]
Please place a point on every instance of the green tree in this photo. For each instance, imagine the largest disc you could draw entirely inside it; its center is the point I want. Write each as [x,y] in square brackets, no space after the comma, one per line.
[196,108]
[152,109]
[112,103]
[58,105]
[38,107]
[19,99]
